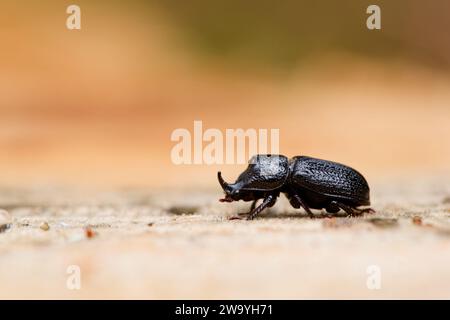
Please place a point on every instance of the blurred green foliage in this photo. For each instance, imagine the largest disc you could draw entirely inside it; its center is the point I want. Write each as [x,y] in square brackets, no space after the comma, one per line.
[267,31]
[288,32]
[285,32]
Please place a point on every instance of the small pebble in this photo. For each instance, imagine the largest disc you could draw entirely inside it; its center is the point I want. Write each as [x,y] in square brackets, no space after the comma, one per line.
[417,220]
[44,226]
[89,232]
[5,220]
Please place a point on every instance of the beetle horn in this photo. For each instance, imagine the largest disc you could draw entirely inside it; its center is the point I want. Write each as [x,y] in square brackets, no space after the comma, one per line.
[221,181]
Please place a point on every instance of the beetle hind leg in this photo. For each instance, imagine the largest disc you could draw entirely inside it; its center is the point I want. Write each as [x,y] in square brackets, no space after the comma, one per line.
[353,212]
[366,210]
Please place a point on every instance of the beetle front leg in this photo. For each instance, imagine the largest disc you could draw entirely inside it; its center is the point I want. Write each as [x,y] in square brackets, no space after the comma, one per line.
[252,207]
[268,202]
[245,214]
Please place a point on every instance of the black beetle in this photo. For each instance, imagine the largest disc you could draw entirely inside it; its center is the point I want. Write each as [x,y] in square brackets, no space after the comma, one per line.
[307,182]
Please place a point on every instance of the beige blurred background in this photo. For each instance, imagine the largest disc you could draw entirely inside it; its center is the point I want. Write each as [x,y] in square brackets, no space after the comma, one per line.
[96,107]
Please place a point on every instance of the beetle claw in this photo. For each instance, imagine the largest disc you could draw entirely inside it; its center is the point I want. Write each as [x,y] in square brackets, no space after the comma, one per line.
[368,210]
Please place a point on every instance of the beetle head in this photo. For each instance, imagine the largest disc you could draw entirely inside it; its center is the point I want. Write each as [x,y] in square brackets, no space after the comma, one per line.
[264,173]
[233,191]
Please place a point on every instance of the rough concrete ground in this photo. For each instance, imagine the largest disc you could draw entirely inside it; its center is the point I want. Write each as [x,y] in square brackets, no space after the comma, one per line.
[138,243]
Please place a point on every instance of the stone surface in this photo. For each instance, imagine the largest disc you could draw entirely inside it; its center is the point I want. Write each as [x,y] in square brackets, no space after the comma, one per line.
[144,248]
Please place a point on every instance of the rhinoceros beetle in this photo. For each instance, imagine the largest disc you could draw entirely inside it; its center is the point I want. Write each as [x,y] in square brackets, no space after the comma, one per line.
[307,182]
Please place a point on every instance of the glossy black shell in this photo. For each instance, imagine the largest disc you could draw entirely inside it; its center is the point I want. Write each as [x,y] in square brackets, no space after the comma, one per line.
[264,173]
[330,179]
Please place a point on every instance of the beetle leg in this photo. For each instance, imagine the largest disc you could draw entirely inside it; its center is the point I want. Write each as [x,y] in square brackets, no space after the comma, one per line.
[349,210]
[269,200]
[332,208]
[352,211]
[304,205]
[252,207]
[366,210]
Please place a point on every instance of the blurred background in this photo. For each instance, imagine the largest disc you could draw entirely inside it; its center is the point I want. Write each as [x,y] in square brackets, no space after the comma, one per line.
[97,106]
